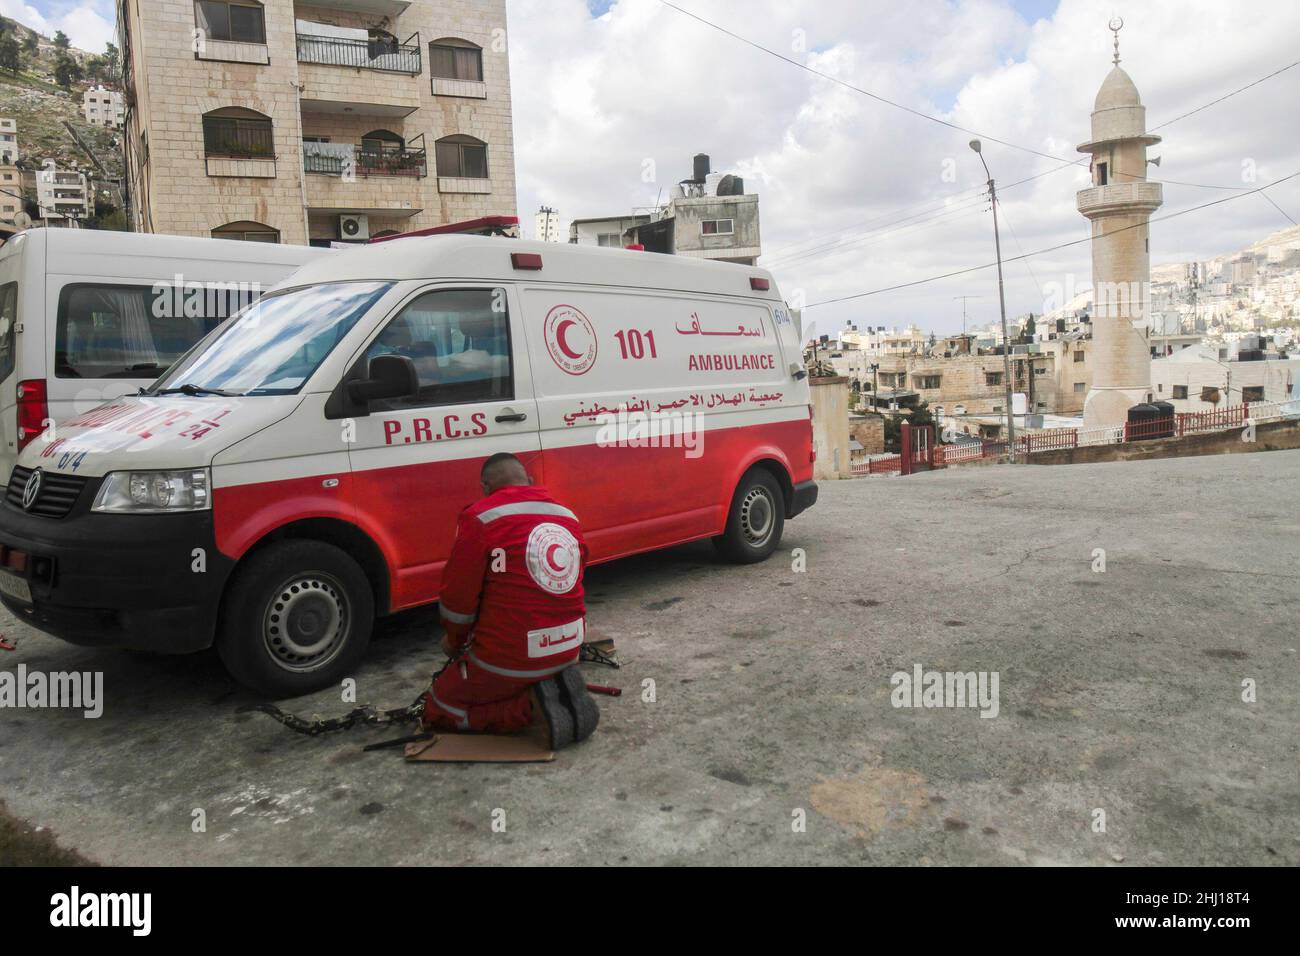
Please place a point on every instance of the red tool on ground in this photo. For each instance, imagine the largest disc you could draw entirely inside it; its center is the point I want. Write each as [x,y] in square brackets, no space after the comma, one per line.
[5,645]
[608,691]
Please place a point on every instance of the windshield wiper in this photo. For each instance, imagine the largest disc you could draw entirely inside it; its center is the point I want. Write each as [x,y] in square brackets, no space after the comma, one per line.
[188,389]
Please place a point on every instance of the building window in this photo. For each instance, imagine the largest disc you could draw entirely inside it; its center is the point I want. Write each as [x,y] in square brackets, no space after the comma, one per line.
[461,156]
[1180,391]
[247,231]
[1080,387]
[451,59]
[718,227]
[611,240]
[927,381]
[1252,393]
[992,378]
[237,133]
[238,22]
[1078,356]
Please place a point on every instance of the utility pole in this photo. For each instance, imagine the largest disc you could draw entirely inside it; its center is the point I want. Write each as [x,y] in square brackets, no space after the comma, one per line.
[1002,301]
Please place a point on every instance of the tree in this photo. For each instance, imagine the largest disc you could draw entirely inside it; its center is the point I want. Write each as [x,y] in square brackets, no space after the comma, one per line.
[112,58]
[11,55]
[67,71]
[31,45]
[61,41]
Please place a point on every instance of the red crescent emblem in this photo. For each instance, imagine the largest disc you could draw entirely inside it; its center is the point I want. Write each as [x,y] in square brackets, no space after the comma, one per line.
[562,342]
[550,558]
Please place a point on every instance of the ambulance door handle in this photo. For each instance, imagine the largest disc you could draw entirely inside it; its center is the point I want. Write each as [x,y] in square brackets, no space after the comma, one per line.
[512,417]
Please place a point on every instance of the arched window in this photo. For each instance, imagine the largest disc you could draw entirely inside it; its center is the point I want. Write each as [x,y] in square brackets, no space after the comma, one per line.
[237,133]
[451,58]
[462,156]
[382,141]
[234,21]
[247,231]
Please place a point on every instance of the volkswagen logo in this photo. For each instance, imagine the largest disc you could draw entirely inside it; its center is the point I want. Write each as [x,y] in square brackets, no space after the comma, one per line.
[32,490]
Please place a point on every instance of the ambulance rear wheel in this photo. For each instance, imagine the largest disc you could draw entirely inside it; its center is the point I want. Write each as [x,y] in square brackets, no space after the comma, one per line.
[297,618]
[756,519]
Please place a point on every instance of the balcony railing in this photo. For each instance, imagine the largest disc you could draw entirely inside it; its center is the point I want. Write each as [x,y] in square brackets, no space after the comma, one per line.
[1143,196]
[386,57]
[338,159]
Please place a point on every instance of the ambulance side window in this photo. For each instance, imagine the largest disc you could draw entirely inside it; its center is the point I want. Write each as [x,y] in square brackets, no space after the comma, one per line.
[459,340]
[8,319]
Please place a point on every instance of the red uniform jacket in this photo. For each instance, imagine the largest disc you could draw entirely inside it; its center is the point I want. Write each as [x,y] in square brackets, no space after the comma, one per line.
[513,584]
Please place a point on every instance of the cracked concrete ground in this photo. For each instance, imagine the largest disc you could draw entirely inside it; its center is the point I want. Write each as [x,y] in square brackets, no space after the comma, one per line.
[1119,691]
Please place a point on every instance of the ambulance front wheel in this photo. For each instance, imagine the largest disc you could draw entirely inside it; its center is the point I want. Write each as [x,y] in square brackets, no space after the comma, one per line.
[296,618]
[755,521]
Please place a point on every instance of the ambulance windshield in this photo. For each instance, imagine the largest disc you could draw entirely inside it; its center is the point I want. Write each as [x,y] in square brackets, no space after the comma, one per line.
[275,345]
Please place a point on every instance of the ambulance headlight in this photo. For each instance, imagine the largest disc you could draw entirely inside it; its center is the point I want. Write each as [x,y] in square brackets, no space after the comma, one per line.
[154,492]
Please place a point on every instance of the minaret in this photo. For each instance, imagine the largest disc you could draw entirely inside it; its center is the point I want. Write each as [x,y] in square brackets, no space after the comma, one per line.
[1119,204]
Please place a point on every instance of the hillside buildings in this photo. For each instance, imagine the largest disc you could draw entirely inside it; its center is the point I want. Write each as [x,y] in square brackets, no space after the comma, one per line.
[546,225]
[11,178]
[333,120]
[65,196]
[103,107]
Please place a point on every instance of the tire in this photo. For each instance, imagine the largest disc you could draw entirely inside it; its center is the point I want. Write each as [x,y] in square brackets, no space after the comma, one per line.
[296,618]
[755,521]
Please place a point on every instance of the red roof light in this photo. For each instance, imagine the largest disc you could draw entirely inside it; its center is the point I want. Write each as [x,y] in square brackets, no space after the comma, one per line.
[526,260]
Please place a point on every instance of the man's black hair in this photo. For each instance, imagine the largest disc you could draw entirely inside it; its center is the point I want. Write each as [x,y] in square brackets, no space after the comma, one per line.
[497,459]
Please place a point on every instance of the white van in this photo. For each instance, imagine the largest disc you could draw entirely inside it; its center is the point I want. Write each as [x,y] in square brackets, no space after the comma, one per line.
[88,315]
[303,468]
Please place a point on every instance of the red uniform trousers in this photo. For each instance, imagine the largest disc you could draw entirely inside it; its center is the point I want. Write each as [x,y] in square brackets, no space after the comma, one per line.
[467,697]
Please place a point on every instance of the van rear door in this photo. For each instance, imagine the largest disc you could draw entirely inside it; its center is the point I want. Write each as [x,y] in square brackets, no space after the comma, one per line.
[416,462]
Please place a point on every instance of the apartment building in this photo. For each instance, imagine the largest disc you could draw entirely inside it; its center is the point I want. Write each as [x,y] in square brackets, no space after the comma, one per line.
[11,178]
[103,107]
[335,120]
[709,216]
[64,196]
[8,141]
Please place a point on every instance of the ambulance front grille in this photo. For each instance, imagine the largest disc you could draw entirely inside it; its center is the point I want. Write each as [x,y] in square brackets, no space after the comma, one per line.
[56,497]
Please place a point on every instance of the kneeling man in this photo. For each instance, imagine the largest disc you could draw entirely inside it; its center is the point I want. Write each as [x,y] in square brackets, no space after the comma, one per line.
[513,609]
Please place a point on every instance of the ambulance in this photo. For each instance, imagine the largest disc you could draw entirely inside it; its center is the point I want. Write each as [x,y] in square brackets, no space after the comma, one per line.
[88,315]
[300,471]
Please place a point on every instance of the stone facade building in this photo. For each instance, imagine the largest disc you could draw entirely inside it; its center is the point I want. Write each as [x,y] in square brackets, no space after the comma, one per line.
[285,121]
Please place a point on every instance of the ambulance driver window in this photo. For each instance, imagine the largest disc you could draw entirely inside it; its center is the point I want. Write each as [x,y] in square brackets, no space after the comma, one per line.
[459,340]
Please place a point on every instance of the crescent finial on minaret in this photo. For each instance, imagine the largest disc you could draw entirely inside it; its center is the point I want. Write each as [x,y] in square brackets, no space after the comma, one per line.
[1116,24]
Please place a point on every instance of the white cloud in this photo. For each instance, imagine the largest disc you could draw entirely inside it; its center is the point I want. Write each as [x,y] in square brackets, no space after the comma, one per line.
[86,28]
[593,99]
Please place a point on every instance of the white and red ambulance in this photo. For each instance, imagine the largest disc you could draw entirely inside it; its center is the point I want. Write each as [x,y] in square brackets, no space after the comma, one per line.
[301,469]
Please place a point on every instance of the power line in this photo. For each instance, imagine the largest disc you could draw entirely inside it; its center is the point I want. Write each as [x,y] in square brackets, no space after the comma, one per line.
[1039,252]
[950,125]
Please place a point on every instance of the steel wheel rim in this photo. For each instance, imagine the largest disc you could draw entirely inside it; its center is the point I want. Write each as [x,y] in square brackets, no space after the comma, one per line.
[757,516]
[307,621]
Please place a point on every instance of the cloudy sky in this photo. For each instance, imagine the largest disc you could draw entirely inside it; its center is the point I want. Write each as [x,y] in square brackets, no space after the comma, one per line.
[857,195]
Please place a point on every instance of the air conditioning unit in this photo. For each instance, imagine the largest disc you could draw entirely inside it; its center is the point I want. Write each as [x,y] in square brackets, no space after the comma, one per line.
[354,227]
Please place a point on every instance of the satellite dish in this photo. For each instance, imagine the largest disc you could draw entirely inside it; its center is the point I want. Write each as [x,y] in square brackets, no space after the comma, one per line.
[23,221]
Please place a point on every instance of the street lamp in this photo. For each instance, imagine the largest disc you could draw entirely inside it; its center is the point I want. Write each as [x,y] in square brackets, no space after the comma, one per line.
[1002,299]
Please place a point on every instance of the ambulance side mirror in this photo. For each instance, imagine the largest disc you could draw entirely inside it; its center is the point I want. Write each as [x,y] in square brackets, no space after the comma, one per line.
[389,376]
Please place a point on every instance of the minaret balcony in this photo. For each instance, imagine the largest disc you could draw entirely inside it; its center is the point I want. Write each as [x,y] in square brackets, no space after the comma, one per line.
[1131,199]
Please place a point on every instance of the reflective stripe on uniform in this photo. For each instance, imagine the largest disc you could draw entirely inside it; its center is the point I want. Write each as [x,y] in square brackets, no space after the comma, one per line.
[457,618]
[461,715]
[526,508]
[522,675]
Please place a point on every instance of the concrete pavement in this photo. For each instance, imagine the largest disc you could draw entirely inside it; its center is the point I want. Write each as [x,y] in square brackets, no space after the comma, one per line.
[1119,691]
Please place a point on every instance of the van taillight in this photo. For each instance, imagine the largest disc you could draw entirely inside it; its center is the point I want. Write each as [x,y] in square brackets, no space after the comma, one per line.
[33,410]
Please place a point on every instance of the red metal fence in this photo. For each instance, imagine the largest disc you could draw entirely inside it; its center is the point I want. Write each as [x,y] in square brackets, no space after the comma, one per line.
[1031,443]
